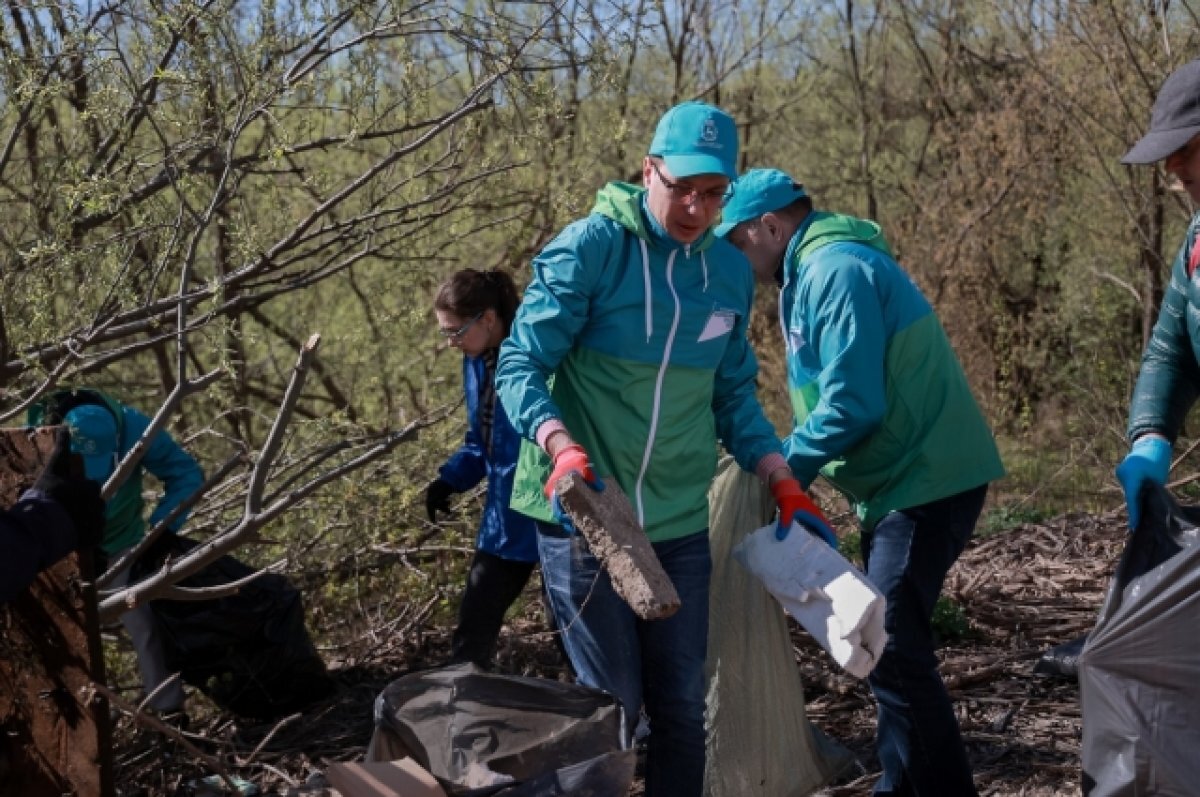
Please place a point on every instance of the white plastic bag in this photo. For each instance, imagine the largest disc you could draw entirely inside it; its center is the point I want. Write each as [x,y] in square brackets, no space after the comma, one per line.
[826,594]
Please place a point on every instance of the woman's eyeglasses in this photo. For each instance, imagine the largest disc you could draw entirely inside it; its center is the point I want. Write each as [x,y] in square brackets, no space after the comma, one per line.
[687,195]
[456,334]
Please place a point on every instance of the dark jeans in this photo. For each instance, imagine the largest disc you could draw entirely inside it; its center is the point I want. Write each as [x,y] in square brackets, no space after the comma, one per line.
[492,586]
[656,662]
[907,558]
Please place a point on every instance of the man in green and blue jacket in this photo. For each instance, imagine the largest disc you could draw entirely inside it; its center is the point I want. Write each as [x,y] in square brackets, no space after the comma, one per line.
[883,411]
[628,361]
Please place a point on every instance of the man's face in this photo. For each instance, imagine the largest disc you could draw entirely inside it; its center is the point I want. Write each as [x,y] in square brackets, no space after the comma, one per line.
[1184,164]
[763,243]
[685,207]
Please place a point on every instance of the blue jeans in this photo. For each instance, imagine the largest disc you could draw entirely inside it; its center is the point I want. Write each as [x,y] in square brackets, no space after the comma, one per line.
[656,662]
[907,557]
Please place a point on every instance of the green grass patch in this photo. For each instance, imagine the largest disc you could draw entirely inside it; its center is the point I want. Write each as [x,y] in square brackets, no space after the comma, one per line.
[949,622]
[1000,519]
[1048,477]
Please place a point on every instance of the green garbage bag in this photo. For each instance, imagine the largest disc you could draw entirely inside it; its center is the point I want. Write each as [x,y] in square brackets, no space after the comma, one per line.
[759,739]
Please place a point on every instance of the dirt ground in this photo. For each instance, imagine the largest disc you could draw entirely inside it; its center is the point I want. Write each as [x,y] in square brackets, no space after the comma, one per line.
[1021,592]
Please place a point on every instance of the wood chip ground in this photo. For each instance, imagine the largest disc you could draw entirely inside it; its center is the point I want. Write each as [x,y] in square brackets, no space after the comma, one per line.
[1022,592]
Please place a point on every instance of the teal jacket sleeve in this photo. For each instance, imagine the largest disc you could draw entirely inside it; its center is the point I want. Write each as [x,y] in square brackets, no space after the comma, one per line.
[741,425]
[554,309]
[840,315]
[170,464]
[1169,380]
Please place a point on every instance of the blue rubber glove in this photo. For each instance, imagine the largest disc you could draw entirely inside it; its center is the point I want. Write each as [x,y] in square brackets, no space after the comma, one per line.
[1148,461]
[561,517]
[813,524]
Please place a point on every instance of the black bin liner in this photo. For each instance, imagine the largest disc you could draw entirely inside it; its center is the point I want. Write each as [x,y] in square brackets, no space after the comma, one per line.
[249,652]
[552,738]
[1062,660]
[1140,669]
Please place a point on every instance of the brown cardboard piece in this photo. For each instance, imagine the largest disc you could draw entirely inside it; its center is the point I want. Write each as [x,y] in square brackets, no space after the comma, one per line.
[402,778]
[606,520]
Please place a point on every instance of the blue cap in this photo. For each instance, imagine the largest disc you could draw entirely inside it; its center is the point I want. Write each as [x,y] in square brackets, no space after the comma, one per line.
[94,437]
[756,192]
[696,138]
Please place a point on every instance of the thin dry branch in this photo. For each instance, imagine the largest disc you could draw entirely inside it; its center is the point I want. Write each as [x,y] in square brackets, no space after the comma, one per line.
[246,527]
[154,723]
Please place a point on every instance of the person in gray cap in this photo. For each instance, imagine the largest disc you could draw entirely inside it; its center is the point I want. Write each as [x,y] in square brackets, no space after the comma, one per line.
[883,411]
[1169,380]
[627,362]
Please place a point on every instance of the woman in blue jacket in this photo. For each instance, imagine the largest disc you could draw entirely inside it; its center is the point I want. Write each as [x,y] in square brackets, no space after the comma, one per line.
[474,310]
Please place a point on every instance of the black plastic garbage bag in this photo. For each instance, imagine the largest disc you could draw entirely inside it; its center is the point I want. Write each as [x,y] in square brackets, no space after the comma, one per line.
[543,738]
[1062,660]
[249,652]
[1139,673]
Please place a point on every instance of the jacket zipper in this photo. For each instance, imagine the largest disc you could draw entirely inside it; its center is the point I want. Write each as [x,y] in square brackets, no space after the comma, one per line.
[658,385]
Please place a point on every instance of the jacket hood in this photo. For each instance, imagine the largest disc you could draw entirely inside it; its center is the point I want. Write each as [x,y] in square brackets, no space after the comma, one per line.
[827,228]
[625,203]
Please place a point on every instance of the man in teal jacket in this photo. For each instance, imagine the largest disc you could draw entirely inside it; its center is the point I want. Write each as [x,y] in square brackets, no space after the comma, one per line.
[639,314]
[883,411]
[1169,380]
[103,431]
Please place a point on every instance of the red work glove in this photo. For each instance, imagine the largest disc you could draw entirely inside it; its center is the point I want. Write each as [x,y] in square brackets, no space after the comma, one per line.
[570,458]
[794,504]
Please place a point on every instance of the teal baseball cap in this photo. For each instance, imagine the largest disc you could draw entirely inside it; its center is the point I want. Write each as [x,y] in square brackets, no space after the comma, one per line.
[756,192]
[94,437]
[696,138]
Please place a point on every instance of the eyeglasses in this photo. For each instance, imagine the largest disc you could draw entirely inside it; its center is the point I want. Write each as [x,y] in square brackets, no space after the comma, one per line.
[687,195]
[456,334]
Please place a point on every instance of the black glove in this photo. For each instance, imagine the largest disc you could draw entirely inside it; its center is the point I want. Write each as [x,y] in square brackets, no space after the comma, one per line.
[437,498]
[63,481]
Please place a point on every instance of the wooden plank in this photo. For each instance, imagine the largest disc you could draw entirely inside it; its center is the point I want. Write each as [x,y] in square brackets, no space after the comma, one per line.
[606,520]
[55,734]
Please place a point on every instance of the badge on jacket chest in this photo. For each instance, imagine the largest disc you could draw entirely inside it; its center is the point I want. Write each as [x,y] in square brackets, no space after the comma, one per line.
[719,323]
